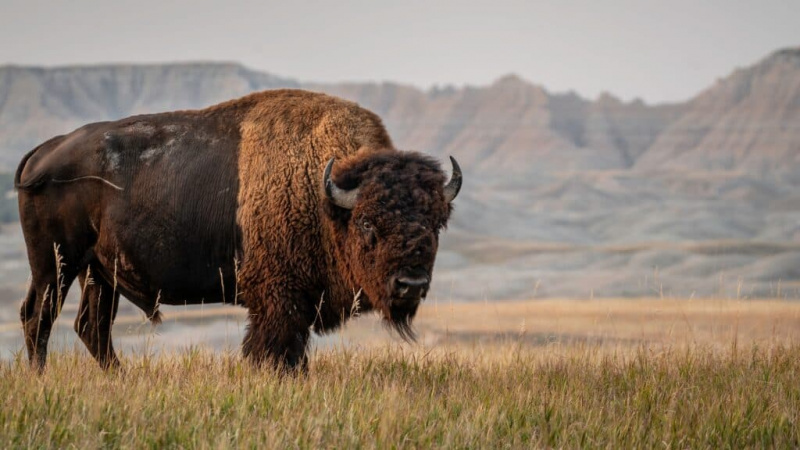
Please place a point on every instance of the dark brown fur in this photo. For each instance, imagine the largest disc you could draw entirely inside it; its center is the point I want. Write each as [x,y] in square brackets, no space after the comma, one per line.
[226,204]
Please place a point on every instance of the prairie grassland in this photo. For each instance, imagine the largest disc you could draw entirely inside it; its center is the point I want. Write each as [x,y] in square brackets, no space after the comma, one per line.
[603,373]
[603,324]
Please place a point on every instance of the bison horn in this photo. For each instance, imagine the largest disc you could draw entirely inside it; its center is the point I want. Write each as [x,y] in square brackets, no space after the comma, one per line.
[340,197]
[454,185]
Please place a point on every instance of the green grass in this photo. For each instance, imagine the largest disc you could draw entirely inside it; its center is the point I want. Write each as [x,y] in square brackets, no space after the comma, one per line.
[490,397]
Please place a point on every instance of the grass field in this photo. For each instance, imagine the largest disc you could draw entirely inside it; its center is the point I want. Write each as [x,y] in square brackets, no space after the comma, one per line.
[610,373]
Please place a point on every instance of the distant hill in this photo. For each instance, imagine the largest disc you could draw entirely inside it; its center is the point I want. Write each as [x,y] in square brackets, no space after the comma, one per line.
[513,126]
[746,121]
[37,103]
[563,196]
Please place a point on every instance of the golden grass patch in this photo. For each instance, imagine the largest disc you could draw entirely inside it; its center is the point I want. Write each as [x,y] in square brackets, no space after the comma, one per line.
[611,373]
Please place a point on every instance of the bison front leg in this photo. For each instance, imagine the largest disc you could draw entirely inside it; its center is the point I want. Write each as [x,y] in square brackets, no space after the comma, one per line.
[277,337]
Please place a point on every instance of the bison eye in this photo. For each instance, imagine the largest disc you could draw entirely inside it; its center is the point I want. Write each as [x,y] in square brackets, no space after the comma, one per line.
[368,232]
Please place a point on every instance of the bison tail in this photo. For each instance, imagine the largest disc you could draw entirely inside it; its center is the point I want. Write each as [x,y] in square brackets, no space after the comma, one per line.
[155,318]
[28,184]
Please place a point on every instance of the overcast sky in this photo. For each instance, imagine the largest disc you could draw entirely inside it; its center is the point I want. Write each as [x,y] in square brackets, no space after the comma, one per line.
[659,51]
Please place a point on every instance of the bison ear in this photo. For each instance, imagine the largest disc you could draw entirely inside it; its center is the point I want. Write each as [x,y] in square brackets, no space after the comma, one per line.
[452,187]
[340,197]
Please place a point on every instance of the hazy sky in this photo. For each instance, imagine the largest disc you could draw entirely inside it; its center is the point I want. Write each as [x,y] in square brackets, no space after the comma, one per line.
[660,51]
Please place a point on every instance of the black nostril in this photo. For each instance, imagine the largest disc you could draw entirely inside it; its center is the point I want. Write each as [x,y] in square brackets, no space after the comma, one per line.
[411,287]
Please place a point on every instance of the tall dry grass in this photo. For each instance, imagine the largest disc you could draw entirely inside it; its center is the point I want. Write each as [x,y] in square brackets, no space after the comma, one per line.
[719,387]
[490,397]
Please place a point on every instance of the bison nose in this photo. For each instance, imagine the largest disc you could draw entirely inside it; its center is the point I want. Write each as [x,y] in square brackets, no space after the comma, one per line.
[411,287]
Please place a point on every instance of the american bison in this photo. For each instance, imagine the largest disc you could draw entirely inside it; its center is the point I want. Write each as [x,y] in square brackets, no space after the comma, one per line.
[287,202]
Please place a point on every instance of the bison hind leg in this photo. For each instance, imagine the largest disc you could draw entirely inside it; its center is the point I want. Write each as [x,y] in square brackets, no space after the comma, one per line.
[96,314]
[42,305]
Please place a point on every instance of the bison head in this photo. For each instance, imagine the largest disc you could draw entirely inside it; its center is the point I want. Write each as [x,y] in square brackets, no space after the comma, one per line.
[387,210]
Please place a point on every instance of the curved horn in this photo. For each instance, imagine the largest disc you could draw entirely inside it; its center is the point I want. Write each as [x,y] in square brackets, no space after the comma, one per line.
[454,185]
[340,197]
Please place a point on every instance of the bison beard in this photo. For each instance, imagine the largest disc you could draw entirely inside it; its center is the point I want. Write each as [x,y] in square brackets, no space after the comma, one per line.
[293,200]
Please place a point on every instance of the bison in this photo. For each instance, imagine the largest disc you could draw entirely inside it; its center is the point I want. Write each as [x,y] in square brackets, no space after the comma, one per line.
[292,204]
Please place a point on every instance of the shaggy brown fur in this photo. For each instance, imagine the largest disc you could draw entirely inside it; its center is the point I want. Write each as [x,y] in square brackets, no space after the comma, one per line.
[146,204]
